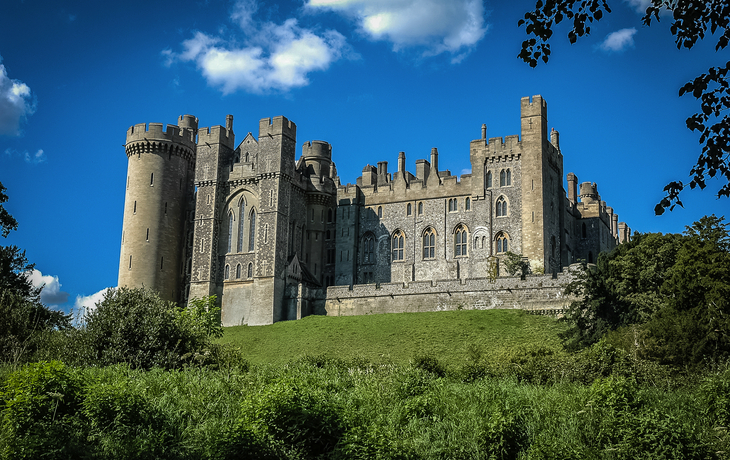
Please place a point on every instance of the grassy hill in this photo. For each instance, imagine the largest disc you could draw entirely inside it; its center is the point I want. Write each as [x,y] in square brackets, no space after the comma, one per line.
[449,336]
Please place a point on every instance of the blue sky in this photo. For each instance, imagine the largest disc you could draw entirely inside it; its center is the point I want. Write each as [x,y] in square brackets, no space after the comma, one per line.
[372,77]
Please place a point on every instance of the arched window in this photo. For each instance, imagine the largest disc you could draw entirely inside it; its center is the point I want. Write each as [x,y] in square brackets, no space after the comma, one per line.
[241,213]
[250,271]
[409,209]
[453,205]
[398,244]
[420,208]
[230,230]
[501,207]
[467,204]
[509,177]
[502,243]
[252,231]
[502,178]
[152,179]
[238,271]
[227,271]
[368,255]
[489,179]
[429,244]
[380,212]
[460,239]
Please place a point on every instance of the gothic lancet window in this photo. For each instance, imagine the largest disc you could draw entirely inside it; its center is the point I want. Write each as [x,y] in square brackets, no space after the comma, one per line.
[489,179]
[467,204]
[230,230]
[429,244]
[227,272]
[241,213]
[509,177]
[252,231]
[238,271]
[368,249]
[460,239]
[398,244]
[502,243]
[501,207]
[502,178]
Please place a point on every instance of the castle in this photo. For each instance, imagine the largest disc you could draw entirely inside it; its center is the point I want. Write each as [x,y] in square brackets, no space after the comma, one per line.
[277,238]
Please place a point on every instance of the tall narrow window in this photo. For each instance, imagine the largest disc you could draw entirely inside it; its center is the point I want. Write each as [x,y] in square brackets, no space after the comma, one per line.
[502,243]
[252,230]
[584,233]
[162,261]
[241,213]
[321,216]
[420,208]
[380,212]
[408,209]
[501,207]
[130,262]
[250,271]
[460,239]
[398,244]
[238,271]
[489,179]
[329,216]
[152,179]
[429,244]
[509,177]
[369,249]
[135,207]
[230,231]
[502,178]
[227,272]
[467,204]
[165,207]
[147,238]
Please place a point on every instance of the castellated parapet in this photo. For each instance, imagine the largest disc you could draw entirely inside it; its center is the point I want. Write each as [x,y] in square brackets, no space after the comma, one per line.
[277,238]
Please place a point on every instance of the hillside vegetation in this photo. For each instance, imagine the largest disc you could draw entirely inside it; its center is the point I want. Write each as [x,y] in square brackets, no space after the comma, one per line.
[452,337]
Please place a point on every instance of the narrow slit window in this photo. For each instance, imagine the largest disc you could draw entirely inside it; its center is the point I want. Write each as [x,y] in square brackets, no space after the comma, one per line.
[152,179]
[147,238]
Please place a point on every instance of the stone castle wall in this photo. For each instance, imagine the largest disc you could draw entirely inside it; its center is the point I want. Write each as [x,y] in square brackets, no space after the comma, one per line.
[542,293]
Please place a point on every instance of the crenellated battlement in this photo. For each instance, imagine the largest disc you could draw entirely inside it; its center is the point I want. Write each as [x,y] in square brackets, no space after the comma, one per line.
[532,106]
[142,132]
[317,149]
[216,135]
[278,126]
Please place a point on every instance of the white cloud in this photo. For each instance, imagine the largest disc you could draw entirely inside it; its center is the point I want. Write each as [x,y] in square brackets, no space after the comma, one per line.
[453,26]
[51,293]
[33,158]
[639,5]
[16,103]
[618,41]
[272,56]
[466,171]
[85,304]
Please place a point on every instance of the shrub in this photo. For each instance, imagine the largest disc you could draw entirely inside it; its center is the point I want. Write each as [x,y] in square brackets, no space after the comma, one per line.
[137,327]
[429,364]
[298,422]
[40,405]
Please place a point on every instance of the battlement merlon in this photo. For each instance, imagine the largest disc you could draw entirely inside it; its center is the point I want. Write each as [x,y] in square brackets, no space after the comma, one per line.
[216,135]
[155,133]
[278,126]
[533,114]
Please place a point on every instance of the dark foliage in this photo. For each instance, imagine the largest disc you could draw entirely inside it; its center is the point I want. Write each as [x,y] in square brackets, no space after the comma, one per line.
[674,288]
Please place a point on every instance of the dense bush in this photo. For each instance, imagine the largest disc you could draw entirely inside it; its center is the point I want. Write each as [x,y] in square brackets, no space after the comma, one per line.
[137,327]
[671,291]
[343,410]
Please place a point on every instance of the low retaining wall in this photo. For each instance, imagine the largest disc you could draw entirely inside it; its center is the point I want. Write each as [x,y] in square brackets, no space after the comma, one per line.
[539,293]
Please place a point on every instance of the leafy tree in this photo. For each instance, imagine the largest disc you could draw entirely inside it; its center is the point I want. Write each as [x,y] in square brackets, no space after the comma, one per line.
[23,318]
[673,289]
[690,22]
[137,327]
[515,263]
[624,287]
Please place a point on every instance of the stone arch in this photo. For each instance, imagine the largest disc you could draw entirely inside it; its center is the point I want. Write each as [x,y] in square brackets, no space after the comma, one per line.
[502,206]
[502,242]
[398,245]
[429,236]
[461,238]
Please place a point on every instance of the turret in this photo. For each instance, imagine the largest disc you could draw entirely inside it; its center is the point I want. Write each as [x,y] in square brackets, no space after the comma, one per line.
[159,185]
[588,192]
[317,156]
[555,138]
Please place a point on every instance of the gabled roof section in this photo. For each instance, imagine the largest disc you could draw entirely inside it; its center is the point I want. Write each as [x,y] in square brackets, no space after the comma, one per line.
[249,139]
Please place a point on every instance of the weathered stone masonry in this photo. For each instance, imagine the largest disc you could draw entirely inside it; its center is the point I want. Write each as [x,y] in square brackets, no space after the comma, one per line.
[277,238]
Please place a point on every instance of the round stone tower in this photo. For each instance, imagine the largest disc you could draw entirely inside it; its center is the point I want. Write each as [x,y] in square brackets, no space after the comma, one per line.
[161,166]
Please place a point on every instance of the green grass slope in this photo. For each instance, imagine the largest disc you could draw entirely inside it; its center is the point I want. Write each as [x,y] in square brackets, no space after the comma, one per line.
[451,337]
